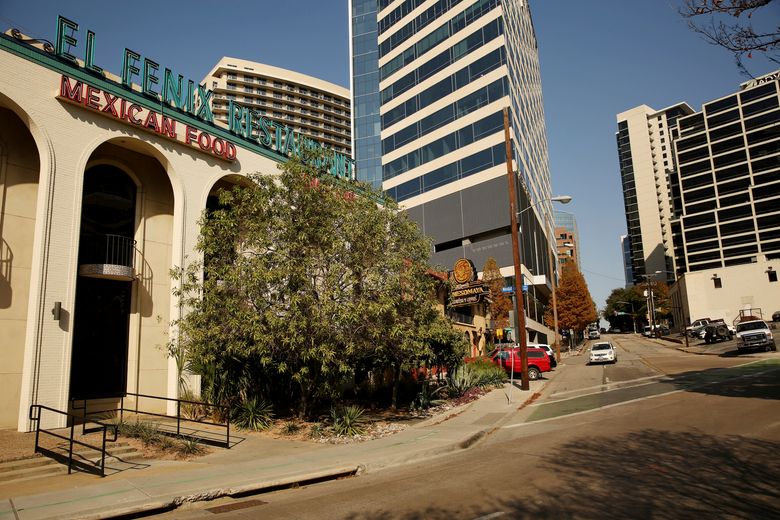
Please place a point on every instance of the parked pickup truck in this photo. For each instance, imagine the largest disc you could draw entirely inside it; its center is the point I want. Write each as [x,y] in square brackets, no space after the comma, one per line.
[755,334]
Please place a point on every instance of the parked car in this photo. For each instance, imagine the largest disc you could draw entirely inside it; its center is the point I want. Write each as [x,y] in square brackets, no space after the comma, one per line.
[660,330]
[594,334]
[538,361]
[755,334]
[602,352]
[695,328]
[776,316]
[548,349]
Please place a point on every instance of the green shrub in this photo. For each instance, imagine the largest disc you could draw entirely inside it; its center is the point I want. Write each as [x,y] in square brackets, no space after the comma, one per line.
[189,446]
[146,432]
[253,414]
[316,431]
[290,428]
[461,380]
[487,373]
[348,420]
[195,412]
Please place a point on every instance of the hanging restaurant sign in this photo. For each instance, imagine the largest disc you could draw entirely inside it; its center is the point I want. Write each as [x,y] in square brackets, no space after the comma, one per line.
[468,290]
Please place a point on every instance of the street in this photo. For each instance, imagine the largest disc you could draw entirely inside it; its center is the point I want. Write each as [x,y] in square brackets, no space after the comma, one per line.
[660,434]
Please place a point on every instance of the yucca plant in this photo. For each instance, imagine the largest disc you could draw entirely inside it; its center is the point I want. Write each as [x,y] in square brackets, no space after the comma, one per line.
[427,398]
[253,414]
[462,380]
[290,428]
[316,431]
[348,420]
[189,446]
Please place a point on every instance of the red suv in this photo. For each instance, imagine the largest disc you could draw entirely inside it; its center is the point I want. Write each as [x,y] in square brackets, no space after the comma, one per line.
[538,361]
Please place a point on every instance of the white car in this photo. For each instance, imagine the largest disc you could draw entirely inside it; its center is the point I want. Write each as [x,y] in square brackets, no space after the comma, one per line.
[602,352]
[594,334]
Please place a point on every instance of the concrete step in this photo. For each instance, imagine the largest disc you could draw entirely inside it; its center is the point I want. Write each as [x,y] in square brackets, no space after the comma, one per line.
[42,466]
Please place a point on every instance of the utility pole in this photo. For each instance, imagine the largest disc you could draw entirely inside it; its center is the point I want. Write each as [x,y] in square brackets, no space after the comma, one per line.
[519,311]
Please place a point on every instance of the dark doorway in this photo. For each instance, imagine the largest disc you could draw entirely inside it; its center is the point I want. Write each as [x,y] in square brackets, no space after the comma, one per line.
[99,365]
[102,309]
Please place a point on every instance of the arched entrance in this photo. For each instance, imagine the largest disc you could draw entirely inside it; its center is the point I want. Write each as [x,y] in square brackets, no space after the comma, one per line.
[104,288]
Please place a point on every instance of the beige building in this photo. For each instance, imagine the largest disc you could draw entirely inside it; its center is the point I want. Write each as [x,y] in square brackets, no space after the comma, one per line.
[644,139]
[315,108]
[102,183]
[718,171]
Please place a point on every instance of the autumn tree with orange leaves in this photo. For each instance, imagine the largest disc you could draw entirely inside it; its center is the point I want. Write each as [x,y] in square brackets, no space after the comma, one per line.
[575,306]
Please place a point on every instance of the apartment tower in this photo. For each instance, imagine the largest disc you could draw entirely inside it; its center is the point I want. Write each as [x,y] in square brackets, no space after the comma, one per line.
[715,175]
[317,109]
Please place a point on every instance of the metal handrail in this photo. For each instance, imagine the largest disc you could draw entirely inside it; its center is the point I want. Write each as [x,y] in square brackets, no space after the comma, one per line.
[225,409]
[36,418]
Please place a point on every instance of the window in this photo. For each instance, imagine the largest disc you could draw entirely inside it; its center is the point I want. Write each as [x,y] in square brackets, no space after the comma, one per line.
[717,282]
[772,275]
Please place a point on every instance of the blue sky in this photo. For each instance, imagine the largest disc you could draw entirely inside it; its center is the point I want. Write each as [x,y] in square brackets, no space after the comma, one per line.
[598,58]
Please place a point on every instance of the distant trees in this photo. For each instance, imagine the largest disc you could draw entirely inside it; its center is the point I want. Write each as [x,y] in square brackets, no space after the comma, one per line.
[306,289]
[575,305]
[729,24]
[631,302]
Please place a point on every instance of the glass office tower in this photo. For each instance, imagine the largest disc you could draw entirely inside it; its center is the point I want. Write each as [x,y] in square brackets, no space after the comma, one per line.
[445,71]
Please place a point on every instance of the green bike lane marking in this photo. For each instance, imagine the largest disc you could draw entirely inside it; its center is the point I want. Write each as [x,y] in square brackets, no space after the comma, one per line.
[679,383]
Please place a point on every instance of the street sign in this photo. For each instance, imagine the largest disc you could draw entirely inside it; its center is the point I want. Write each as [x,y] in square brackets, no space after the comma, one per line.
[525,287]
[507,290]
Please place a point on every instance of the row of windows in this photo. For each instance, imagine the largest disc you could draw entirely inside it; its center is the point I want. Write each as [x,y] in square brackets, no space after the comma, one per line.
[440,147]
[695,123]
[396,14]
[763,155]
[445,87]
[747,96]
[439,35]
[444,59]
[420,21]
[468,166]
[468,104]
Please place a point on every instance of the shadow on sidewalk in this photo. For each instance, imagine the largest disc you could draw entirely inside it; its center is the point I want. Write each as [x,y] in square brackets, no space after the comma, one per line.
[639,475]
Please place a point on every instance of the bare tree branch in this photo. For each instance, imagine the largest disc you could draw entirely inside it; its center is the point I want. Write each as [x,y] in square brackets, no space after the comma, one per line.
[728,24]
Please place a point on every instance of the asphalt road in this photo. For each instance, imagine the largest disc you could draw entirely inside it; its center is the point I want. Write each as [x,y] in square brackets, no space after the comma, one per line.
[660,434]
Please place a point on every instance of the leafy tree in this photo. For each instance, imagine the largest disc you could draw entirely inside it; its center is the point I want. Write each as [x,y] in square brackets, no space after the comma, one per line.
[575,306]
[625,306]
[302,281]
[728,23]
[500,304]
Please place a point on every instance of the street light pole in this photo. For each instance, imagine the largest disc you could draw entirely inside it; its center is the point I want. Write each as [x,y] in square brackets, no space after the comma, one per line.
[519,312]
[651,306]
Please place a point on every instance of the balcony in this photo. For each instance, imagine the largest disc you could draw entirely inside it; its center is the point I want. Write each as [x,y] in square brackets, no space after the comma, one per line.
[110,257]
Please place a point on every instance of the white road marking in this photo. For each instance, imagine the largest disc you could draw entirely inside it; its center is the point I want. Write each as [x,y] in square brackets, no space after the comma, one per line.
[638,399]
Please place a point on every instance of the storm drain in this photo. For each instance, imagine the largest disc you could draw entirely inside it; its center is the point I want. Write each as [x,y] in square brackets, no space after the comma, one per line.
[236,506]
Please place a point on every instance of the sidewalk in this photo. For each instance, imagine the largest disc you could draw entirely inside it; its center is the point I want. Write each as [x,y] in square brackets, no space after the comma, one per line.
[698,347]
[255,465]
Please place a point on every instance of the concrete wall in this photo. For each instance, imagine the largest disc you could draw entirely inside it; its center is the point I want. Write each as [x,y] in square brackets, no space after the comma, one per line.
[19,167]
[743,287]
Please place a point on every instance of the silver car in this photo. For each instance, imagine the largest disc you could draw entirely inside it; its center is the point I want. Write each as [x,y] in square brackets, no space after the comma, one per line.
[602,352]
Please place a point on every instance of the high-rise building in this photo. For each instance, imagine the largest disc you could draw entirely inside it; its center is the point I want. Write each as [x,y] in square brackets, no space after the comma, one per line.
[724,195]
[315,108]
[430,81]
[567,238]
[644,140]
